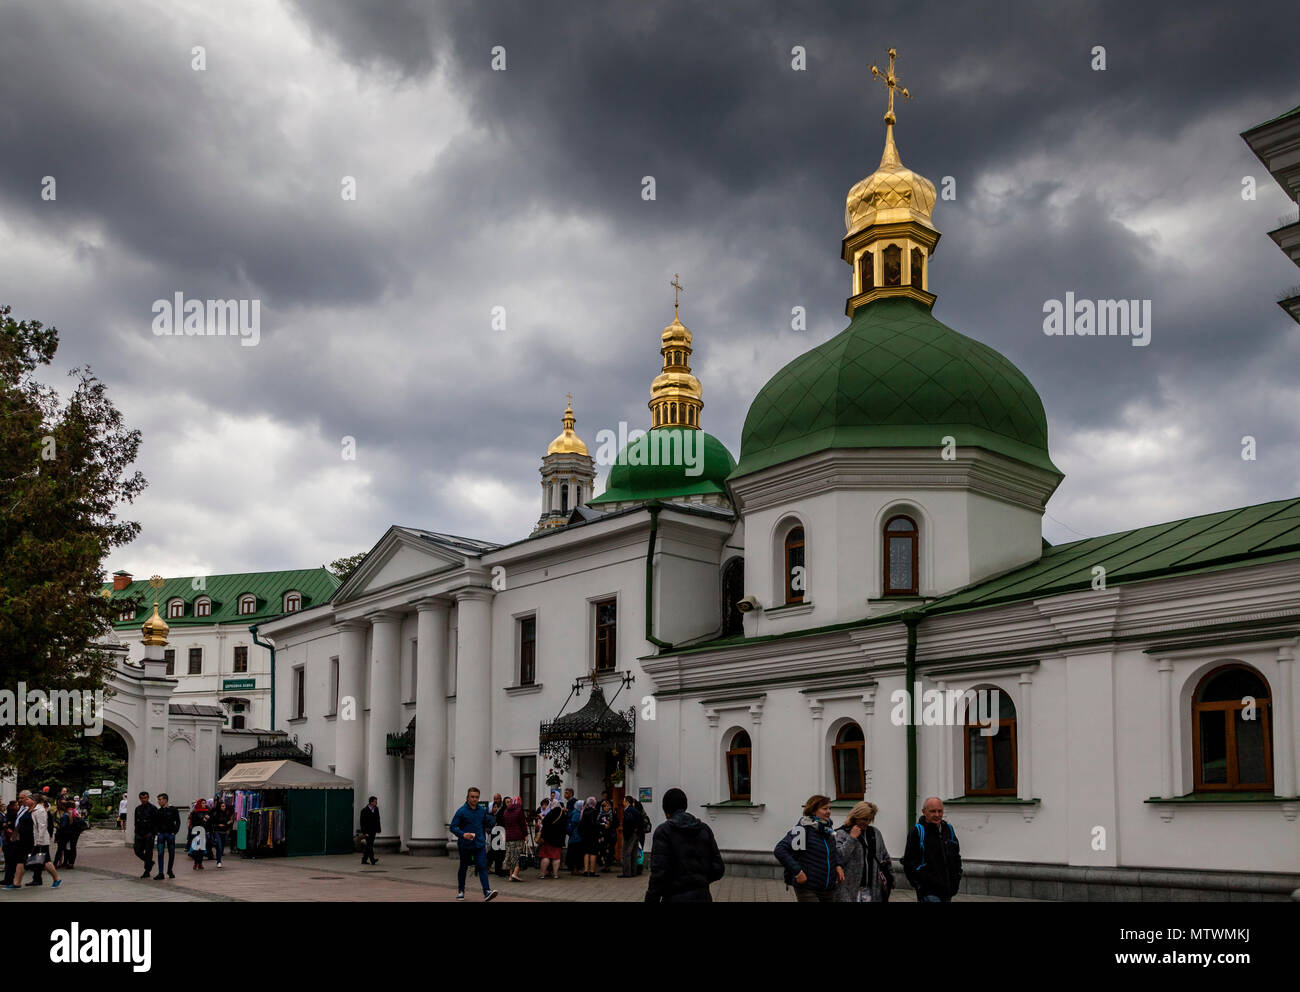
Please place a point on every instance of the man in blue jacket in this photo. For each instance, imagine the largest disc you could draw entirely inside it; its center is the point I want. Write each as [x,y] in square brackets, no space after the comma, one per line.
[472,826]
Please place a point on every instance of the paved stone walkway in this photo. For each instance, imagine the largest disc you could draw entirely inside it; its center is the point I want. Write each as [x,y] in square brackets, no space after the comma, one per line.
[108,871]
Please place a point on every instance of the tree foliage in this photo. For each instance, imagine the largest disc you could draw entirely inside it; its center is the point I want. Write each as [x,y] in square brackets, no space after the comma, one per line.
[344,567]
[64,473]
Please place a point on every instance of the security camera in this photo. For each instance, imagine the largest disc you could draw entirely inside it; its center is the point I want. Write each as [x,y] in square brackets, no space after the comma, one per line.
[747,604]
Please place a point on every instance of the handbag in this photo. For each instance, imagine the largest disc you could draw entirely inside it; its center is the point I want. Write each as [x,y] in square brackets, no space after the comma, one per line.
[36,859]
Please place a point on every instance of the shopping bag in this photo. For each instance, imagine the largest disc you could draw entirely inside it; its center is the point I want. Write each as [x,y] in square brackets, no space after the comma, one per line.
[36,859]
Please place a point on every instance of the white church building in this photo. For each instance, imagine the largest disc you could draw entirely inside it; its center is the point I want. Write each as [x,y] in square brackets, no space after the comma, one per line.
[751,631]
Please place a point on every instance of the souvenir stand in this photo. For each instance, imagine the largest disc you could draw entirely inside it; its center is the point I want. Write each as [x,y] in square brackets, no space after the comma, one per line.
[283,808]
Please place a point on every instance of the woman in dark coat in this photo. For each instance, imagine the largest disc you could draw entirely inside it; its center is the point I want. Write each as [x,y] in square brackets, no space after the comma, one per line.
[218,825]
[589,836]
[551,851]
[608,839]
[197,842]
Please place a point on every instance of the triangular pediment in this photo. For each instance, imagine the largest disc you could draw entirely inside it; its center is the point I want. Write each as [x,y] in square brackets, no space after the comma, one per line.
[401,555]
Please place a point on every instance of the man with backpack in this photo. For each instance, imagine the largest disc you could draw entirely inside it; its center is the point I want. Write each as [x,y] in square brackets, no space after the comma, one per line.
[932,858]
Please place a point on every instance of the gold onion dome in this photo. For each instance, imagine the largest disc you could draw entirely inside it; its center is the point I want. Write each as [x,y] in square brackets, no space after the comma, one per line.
[891,194]
[568,443]
[677,333]
[155,629]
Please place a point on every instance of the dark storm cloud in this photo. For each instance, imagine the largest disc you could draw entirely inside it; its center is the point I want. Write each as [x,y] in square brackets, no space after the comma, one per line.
[376,315]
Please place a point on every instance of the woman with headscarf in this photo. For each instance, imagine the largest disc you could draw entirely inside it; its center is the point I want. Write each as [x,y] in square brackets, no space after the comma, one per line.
[551,851]
[573,856]
[515,822]
[608,836]
[589,836]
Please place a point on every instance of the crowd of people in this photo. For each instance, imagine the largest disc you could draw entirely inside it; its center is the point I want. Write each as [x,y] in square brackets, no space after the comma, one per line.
[157,827]
[31,826]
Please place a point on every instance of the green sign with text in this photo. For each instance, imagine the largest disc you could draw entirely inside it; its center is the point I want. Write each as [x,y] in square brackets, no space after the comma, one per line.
[238,684]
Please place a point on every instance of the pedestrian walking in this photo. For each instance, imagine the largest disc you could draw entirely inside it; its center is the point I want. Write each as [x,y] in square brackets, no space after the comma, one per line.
[24,839]
[167,824]
[642,832]
[868,872]
[573,854]
[121,815]
[589,836]
[684,856]
[809,854]
[369,828]
[471,826]
[932,857]
[62,833]
[497,852]
[631,833]
[42,829]
[515,823]
[218,827]
[145,829]
[196,837]
[10,833]
[607,839]
[550,852]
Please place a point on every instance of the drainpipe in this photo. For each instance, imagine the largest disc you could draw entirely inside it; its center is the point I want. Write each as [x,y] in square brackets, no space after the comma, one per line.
[270,647]
[912,618]
[654,506]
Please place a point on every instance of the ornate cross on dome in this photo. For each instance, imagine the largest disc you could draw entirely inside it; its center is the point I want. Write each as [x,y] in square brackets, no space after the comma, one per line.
[890,81]
[677,288]
[570,395]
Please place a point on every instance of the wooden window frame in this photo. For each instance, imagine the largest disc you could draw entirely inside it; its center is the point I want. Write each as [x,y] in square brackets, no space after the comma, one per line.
[1264,706]
[994,789]
[300,692]
[252,600]
[203,607]
[747,753]
[527,652]
[172,605]
[861,748]
[789,544]
[235,663]
[169,656]
[292,602]
[606,636]
[915,536]
[189,662]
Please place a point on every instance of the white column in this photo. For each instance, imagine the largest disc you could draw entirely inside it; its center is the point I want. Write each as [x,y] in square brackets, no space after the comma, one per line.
[1025,731]
[385,719]
[473,691]
[1284,760]
[349,730]
[428,814]
[716,760]
[818,755]
[756,716]
[1166,669]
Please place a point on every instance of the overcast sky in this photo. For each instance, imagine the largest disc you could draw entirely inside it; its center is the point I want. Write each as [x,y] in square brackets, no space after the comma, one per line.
[522,189]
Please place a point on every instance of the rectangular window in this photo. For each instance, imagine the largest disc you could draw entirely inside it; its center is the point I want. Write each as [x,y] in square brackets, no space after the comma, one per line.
[196,661]
[299,692]
[528,782]
[528,651]
[413,668]
[241,658]
[334,685]
[606,623]
[169,656]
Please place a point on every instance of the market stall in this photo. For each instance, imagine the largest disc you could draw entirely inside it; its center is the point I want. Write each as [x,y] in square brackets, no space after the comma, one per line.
[284,808]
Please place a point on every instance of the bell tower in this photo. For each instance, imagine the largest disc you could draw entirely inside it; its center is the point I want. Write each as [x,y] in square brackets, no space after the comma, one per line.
[568,475]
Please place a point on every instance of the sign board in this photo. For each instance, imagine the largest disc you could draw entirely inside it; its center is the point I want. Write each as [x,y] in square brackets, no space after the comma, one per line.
[107,781]
[94,792]
[645,795]
[238,684]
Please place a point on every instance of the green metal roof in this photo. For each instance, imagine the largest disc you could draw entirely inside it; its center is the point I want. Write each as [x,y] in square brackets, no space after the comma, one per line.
[632,477]
[315,584]
[1294,111]
[895,377]
[1251,535]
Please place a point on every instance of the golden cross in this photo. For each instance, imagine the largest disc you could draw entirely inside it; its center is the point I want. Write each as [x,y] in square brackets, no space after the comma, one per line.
[570,395]
[890,81]
[677,288]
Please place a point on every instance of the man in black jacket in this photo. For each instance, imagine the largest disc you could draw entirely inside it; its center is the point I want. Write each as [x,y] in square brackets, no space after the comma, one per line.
[166,824]
[684,857]
[370,827]
[932,858]
[631,836]
[144,833]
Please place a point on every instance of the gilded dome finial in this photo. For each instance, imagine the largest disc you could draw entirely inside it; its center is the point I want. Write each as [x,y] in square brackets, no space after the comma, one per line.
[891,81]
[568,443]
[675,396]
[677,286]
[155,628]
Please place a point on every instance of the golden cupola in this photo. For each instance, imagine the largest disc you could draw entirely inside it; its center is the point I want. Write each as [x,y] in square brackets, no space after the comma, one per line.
[568,443]
[676,398]
[155,628]
[889,235]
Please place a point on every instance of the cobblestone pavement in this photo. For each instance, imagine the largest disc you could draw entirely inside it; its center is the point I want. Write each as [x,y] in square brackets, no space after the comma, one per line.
[108,871]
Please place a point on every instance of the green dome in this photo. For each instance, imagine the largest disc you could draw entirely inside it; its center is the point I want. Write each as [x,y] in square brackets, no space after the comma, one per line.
[895,378]
[657,466]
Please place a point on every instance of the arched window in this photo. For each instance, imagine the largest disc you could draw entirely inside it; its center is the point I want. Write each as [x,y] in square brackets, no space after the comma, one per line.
[866,266]
[564,498]
[796,580]
[127,612]
[990,744]
[900,541]
[175,609]
[917,266]
[1232,736]
[848,759]
[203,607]
[292,602]
[733,591]
[247,605]
[892,263]
[739,756]
[656,416]
[673,414]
